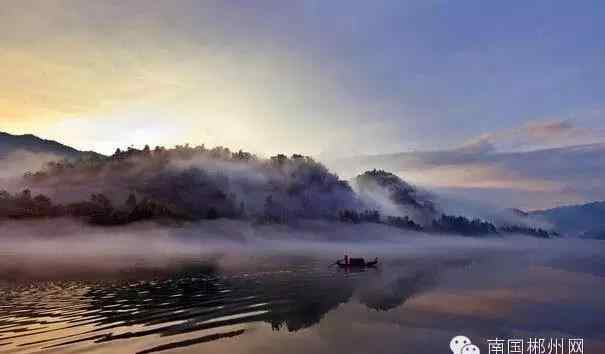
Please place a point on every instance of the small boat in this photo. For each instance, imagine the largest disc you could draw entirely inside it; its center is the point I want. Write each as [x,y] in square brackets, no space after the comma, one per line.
[356,263]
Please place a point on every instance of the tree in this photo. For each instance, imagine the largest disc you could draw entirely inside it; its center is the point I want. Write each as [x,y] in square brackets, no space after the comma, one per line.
[269,205]
[403,222]
[242,210]
[42,200]
[279,159]
[131,202]
[242,156]
[26,195]
[463,226]
[350,216]
[4,195]
[212,214]
[102,201]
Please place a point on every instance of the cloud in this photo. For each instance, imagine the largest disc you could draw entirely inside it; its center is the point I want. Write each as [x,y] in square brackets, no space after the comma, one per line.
[549,129]
[538,165]
[536,135]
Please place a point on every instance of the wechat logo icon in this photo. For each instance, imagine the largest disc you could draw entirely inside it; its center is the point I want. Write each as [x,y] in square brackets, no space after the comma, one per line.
[463,345]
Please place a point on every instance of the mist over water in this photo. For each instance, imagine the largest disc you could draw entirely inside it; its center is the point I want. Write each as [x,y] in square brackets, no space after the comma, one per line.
[228,286]
[72,245]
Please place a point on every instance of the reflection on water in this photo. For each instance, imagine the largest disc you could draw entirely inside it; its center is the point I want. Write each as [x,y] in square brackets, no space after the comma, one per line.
[302,307]
[61,314]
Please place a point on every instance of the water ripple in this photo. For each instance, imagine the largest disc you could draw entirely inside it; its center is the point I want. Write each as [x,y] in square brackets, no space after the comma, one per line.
[204,303]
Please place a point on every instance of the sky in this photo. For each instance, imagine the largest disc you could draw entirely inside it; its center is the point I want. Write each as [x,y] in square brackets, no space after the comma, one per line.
[323,78]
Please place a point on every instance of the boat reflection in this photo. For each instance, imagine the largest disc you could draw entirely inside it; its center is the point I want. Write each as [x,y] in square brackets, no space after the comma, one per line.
[199,300]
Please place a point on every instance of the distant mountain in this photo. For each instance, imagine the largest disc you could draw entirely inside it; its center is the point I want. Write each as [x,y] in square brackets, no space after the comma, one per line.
[598,234]
[10,143]
[586,220]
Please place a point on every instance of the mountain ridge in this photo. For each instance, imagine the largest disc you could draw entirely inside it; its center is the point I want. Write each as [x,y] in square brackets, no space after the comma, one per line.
[584,220]
[29,142]
[576,220]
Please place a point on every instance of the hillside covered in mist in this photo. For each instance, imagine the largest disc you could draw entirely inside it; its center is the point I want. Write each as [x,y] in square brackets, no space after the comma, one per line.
[187,184]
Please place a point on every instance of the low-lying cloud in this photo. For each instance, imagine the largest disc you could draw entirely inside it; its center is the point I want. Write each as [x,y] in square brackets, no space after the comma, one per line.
[483,170]
[16,163]
[60,248]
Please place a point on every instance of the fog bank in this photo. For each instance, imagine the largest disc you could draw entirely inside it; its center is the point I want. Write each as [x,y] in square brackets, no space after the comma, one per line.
[57,248]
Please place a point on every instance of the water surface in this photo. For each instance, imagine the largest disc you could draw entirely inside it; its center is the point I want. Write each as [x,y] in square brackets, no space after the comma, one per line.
[288,303]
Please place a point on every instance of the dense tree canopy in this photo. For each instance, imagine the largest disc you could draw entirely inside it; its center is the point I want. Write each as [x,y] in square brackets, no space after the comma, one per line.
[194,183]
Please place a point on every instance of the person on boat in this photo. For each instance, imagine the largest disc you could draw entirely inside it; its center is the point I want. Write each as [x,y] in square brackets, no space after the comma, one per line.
[356,262]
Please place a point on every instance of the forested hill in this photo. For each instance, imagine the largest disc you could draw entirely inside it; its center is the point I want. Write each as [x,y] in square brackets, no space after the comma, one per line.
[194,183]
[197,183]
[11,143]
